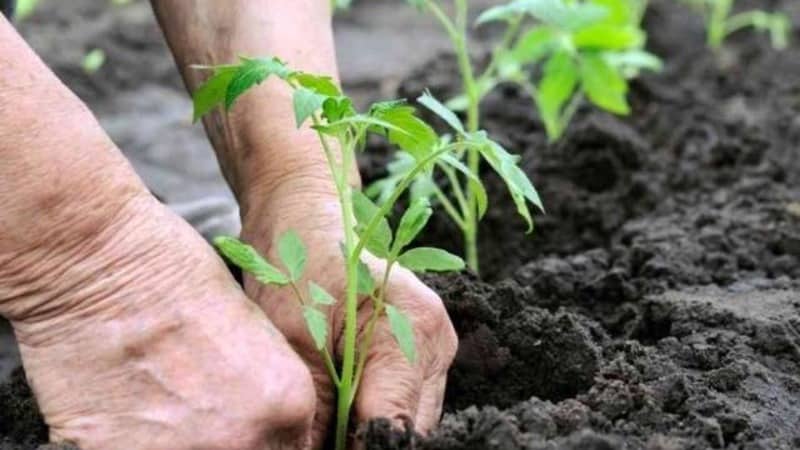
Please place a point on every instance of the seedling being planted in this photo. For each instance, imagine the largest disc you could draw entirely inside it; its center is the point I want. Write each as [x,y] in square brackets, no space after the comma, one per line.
[318,100]
[721,22]
[585,49]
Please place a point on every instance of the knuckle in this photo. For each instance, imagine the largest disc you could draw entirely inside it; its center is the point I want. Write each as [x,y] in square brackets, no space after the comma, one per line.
[292,400]
[436,330]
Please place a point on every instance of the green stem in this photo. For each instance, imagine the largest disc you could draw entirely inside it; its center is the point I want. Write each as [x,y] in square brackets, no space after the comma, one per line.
[324,353]
[344,382]
[449,207]
[716,26]
[369,332]
[351,308]
[456,185]
[458,35]
[402,186]
[508,39]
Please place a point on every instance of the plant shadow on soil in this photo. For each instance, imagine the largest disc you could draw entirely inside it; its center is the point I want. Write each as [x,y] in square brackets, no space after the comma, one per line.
[656,306]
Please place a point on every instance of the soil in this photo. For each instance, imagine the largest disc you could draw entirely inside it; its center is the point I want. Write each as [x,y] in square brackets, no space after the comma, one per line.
[656,306]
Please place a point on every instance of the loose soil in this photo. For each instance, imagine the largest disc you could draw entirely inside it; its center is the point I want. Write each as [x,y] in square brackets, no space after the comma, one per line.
[656,306]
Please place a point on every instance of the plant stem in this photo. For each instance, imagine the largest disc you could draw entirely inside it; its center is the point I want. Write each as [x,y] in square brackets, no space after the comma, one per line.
[344,382]
[473,116]
[324,353]
[346,391]
[402,186]
[720,10]
[449,207]
[457,32]
[369,332]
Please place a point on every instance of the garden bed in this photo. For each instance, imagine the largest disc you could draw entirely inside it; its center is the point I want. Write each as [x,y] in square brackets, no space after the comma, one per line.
[657,304]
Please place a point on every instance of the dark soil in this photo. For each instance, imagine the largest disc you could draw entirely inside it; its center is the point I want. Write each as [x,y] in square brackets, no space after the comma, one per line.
[657,304]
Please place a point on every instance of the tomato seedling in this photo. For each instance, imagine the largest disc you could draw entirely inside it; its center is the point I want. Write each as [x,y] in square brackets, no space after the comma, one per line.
[318,100]
[587,49]
[721,22]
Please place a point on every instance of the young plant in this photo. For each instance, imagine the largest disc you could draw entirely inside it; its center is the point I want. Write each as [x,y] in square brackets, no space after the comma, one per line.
[721,22]
[587,49]
[318,100]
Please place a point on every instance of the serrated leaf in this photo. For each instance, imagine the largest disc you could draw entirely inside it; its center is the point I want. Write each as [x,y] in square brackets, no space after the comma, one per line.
[411,133]
[306,103]
[212,92]
[517,182]
[534,45]
[248,259]
[604,86]
[380,240]
[403,332]
[252,72]
[555,89]
[411,224]
[366,284]
[323,85]
[319,295]
[430,102]
[293,255]
[604,36]
[317,324]
[429,259]
[337,108]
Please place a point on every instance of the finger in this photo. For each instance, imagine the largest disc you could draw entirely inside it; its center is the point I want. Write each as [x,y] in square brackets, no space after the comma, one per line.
[390,385]
[325,401]
[430,403]
[288,318]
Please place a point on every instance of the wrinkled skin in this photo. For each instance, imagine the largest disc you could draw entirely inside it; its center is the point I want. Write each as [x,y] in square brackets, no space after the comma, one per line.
[163,350]
[391,386]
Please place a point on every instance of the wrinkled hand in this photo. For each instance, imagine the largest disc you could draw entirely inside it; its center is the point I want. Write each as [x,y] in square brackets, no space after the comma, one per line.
[153,346]
[390,387]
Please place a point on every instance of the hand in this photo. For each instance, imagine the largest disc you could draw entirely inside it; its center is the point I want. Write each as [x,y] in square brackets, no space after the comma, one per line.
[391,387]
[152,344]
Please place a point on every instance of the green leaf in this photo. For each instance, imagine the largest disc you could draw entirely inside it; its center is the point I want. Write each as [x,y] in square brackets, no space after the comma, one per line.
[252,72]
[604,86]
[320,84]
[534,45]
[429,259]
[93,61]
[604,36]
[633,60]
[559,13]
[293,254]
[337,108]
[381,238]
[366,284]
[413,221]
[212,92]
[519,186]
[416,137]
[430,102]
[248,259]
[567,16]
[619,12]
[555,89]
[306,103]
[317,324]
[319,295]
[502,12]
[403,332]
